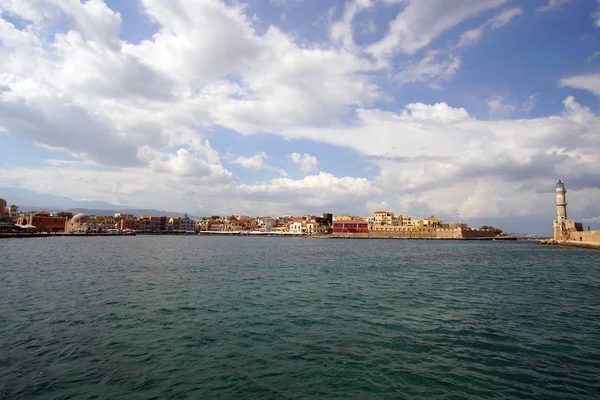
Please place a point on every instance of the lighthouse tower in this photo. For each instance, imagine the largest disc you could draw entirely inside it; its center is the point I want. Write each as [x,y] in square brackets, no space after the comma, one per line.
[563,227]
[561,202]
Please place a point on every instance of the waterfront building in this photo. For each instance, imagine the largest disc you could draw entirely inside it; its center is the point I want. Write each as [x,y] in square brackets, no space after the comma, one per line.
[175,223]
[186,224]
[312,228]
[297,228]
[434,222]
[383,218]
[401,220]
[154,223]
[79,223]
[44,221]
[350,226]
[235,225]
[416,223]
[127,224]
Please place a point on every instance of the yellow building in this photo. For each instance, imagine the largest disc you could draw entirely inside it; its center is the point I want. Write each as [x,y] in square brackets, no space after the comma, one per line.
[416,223]
[432,221]
[175,223]
[383,218]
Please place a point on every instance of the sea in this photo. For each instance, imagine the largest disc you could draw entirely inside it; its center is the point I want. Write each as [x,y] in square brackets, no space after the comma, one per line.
[198,317]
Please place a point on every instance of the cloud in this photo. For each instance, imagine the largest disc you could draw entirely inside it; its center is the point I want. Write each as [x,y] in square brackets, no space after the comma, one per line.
[206,66]
[552,5]
[318,192]
[306,162]
[435,66]
[446,153]
[471,36]
[497,106]
[421,21]
[530,103]
[286,3]
[256,161]
[342,32]
[589,82]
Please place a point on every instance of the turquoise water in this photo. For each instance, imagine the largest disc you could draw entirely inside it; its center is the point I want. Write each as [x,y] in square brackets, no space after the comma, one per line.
[278,318]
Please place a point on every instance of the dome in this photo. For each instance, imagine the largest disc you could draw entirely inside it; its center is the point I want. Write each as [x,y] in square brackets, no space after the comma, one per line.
[81,217]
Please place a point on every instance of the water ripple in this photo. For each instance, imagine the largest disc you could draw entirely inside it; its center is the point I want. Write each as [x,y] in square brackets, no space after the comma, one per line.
[206,317]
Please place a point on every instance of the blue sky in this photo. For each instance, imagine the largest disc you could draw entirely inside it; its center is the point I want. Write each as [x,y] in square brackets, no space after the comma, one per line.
[269,106]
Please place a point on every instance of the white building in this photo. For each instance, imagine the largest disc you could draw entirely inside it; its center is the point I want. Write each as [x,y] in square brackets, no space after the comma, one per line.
[297,228]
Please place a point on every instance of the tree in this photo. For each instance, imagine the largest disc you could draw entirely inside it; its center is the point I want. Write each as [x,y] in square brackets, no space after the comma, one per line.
[497,231]
[65,214]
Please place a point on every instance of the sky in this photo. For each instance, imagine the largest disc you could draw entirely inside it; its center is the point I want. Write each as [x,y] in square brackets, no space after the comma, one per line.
[267,107]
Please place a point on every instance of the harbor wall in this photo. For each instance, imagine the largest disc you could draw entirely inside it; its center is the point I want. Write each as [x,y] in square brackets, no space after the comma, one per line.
[586,236]
[420,234]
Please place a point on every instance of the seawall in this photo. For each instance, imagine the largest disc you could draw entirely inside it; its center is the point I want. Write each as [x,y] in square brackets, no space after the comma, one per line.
[571,243]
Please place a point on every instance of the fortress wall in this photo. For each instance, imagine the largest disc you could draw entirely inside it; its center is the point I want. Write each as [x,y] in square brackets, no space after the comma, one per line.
[350,235]
[586,236]
[426,233]
[476,233]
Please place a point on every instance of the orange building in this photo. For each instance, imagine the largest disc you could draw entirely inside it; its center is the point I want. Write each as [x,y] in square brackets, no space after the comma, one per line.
[44,222]
[127,224]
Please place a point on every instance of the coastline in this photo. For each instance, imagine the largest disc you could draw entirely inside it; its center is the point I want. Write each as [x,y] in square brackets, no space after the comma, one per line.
[261,234]
[570,243]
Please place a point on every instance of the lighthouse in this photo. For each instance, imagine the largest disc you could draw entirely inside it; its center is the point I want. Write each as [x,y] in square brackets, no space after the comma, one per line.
[564,229]
[561,202]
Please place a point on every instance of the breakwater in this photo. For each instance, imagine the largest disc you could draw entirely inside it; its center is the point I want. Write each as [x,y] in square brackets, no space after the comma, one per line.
[570,243]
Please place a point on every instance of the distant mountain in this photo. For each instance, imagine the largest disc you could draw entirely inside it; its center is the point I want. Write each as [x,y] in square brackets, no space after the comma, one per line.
[135,211]
[28,200]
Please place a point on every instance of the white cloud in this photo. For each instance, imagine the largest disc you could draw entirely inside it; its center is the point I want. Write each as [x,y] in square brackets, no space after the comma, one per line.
[589,82]
[317,192]
[497,105]
[435,66]
[205,66]
[474,35]
[342,32]
[256,161]
[530,103]
[306,162]
[442,155]
[552,4]
[286,3]
[421,21]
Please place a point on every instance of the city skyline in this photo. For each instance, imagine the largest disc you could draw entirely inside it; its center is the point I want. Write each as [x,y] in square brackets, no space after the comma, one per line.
[299,107]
